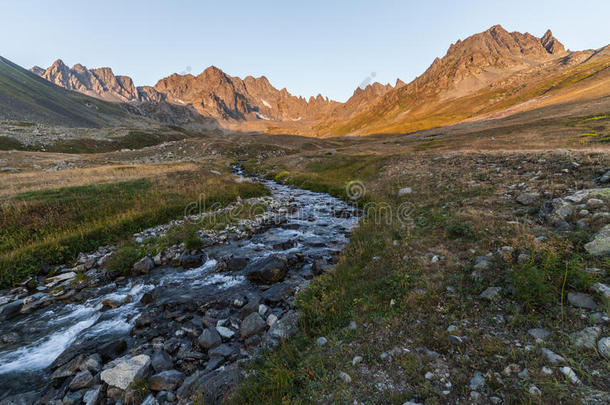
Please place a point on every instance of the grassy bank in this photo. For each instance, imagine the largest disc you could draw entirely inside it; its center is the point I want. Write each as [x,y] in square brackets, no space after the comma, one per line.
[52,225]
[405,281]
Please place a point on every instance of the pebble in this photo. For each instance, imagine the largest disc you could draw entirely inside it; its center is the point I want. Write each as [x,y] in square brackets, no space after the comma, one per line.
[603,346]
[321,341]
[477,380]
[533,390]
[539,333]
[345,377]
[552,356]
[491,293]
[356,360]
[570,374]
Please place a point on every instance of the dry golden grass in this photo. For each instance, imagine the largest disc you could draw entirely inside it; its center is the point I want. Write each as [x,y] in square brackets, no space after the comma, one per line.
[41,180]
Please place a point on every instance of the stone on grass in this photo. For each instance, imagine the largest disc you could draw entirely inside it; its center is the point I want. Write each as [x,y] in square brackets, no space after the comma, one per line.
[528,198]
[285,327]
[603,346]
[491,293]
[126,371]
[552,356]
[600,245]
[356,360]
[404,191]
[587,337]
[602,289]
[345,377]
[477,380]
[570,374]
[539,333]
[582,300]
[321,341]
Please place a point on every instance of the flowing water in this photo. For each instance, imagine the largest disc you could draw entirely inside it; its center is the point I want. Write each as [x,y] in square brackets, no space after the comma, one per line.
[318,226]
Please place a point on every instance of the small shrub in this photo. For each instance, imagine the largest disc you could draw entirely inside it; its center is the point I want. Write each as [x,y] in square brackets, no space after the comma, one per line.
[192,241]
[540,281]
[124,258]
[459,230]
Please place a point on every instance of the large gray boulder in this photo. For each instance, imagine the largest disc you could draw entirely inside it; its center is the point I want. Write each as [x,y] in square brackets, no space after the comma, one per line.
[268,270]
[126,371]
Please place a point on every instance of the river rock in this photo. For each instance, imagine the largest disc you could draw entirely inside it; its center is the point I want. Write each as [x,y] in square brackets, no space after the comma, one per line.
[224,351]
[225,332]
[189,261]
[268,270]
[161,361]
[10,310]
[600,245]
[237,263]
[209,339]
[126,371]
[83,379]
[144,265]
[252,325]
[167,380]
[53,281]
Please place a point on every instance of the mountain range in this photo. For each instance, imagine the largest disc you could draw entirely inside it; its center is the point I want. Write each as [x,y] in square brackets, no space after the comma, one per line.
[486,75]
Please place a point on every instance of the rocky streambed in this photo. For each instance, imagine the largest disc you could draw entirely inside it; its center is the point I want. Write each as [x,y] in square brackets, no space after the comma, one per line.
[89,335]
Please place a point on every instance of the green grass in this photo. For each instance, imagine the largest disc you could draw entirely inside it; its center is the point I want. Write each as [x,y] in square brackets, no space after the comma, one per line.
[49,227]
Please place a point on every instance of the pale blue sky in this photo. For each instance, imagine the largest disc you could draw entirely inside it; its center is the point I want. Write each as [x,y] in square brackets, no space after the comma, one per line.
[309,47]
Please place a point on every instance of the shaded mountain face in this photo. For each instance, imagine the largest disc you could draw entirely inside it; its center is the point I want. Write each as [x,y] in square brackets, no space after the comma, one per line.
[101,83]
[214,93]
[25,96]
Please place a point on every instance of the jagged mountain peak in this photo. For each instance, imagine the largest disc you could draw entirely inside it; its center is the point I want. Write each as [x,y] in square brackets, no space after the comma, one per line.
[99,82]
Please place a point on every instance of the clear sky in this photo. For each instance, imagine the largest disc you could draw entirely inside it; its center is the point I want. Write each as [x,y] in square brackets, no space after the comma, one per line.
[309,47]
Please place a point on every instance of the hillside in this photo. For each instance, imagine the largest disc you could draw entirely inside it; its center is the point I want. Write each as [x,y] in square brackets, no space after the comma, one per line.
[27,97]
[488,74]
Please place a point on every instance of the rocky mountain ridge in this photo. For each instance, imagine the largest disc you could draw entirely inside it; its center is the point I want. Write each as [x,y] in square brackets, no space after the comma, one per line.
[486,73]
[100,83]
